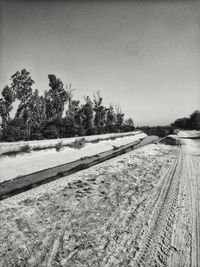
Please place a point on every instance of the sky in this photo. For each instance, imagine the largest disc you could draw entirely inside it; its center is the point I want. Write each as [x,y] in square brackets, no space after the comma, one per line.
[144,55]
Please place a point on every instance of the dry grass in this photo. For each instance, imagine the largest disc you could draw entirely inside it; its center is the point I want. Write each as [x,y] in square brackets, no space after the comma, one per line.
[58,146]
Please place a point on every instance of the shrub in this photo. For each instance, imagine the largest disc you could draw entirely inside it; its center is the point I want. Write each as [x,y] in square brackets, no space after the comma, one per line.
[58,146]
[25,149]
[78,143]
[170,141]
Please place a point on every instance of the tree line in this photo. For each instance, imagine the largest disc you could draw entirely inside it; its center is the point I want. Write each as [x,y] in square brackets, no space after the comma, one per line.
[188,123]
[54,114]
[160,131]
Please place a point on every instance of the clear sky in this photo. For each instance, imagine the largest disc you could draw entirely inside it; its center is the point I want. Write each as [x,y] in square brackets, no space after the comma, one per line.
[144,55]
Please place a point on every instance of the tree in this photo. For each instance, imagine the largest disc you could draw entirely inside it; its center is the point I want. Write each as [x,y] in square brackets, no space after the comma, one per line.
[51,131]
[191,123]
[182,123]
[21,84]
[69,92]
[13,131]
[87,115]
[195,120]
[129,121]
[36,106]
[73,122]
[6,105]
[37,115]
[128,125]
[100,113]
[55,98]
[111,119]
[120,116]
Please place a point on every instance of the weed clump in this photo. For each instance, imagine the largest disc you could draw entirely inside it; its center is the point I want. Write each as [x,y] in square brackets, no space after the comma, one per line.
[25,149]
[58,146]
[78,143]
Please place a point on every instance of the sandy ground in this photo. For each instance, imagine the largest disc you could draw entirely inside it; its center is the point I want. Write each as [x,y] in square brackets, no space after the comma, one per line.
[86,219]
[139,209]
[22,164]
[186,236]
[193,133]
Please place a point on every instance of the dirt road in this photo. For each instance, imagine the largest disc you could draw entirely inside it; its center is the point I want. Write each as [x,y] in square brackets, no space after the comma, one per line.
[186,237]
[172,237]
[139,209]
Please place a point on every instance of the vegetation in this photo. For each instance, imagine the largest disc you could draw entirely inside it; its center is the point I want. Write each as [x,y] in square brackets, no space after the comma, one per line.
[78,143]
[55,114]
[58,146]
[188,123]
[160,131]
[25,149]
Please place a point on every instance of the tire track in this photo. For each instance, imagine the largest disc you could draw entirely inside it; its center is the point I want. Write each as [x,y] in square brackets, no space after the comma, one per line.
[120,247]
[130,240]
[156,243]
[187,227]
[181,239]
[53,241]
[193,167]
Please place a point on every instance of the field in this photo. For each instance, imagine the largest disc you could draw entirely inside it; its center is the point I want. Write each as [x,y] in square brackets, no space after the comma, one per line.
[138,209]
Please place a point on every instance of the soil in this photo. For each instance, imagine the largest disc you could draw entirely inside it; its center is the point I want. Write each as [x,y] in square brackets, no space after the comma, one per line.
[139,209]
